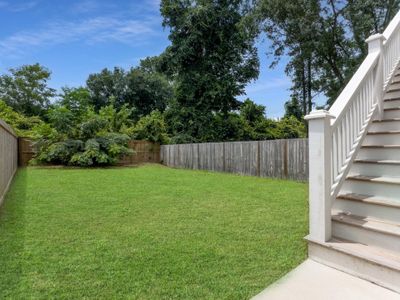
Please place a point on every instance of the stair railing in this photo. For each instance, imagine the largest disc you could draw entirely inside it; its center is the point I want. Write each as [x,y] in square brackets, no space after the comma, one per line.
[335,136]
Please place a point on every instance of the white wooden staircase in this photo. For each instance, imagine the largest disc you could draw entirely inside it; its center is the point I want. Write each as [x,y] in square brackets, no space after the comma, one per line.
[355,170]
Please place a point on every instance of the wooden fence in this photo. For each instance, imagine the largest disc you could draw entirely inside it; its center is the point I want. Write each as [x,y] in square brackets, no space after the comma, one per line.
[279,158]
[8,157]
[26,151]
[143,152]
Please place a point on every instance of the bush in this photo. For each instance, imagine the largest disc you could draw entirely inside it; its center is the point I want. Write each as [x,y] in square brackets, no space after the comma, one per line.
[23,126]
[151,128]
[90,140]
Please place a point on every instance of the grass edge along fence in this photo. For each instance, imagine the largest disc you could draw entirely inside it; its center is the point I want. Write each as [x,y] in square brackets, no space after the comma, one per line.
[286,159]
[8,157]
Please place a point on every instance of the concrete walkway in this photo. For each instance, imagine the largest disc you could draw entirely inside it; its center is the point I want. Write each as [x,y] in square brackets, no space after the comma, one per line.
[312,280]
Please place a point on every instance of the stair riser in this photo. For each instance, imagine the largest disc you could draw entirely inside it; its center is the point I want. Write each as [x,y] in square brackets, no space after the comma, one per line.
[385,126]
[356,266]
[394,85]
[392,95]
[391,104]
[390,191]
[396,80]
[382,139]
[383,153]
[391,114]
[365,236]
[368,210]
[366,169]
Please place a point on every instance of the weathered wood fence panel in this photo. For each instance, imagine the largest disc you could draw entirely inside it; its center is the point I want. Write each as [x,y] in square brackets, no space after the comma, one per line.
[8,157]
[26,151]
[278,158]
[144,152]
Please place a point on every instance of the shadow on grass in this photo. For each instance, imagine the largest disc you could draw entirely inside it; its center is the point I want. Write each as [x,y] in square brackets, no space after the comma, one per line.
[12,229]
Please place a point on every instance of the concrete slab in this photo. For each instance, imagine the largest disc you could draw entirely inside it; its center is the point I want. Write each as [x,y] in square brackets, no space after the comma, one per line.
[312,280]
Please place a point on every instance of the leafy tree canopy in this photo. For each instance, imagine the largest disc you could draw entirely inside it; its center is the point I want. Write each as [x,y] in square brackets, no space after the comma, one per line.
[211,58]
[25,89]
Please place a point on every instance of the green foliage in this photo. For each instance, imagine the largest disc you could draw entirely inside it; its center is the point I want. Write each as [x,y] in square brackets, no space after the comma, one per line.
[325,41]
[142,88]
[292,108]
[25,89]
[76,100]
[252,112]
[23,126]
[290,128]
[94,139]
[151,128]
[107,85]
[211,58]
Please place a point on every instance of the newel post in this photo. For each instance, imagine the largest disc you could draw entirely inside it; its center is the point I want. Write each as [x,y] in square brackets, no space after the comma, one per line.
[375,44]
[320,167]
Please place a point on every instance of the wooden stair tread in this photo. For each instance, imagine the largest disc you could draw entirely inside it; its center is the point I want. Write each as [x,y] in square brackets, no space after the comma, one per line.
[383,132]
[369,199]
[373,179]
[393,90]
[381,147]
[391,108]
[386,120]
[391,99]
[380,226]
[378,161]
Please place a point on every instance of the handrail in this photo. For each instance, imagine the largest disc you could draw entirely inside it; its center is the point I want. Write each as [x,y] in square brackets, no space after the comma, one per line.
[335,136]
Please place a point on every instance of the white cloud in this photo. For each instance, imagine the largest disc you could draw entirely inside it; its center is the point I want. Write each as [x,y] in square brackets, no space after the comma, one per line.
[85,6]
[91,31]
[18,7]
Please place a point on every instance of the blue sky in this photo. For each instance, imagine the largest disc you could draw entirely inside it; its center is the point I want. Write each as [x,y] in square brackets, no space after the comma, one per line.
[75,38]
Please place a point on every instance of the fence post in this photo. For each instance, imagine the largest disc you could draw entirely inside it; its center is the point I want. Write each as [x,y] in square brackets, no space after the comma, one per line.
[320,149]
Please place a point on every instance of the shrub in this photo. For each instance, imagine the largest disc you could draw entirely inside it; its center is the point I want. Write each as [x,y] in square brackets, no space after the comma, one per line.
[151,128]
[90,140]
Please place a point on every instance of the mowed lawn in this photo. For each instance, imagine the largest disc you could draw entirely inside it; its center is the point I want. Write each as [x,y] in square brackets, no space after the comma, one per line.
[149,232]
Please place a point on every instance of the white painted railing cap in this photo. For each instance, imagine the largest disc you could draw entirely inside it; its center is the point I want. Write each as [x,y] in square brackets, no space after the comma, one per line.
[377,36]
[375,42]
[319,114]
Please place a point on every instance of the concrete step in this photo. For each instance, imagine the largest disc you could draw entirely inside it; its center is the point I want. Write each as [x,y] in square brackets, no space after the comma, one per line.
[379,266]
[391,113]
[386,187]
[369,206]
[312,279]
[372,232]
[382,138]
[379,152]
[376,167]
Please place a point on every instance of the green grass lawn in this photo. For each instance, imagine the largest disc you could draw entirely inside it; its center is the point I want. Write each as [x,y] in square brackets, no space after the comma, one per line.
[147,233]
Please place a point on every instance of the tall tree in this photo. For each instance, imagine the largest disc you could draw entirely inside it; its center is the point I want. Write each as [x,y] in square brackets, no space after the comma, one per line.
[325,40]
[107,84]
[212,57]
[143,89]
[26,89]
